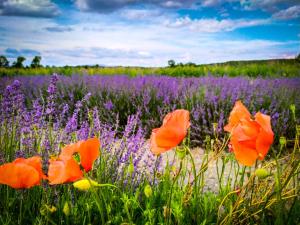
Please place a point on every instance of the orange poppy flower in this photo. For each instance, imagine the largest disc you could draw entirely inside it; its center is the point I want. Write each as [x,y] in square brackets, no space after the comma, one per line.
[172,131]
[66,169]
[22,173]
[62,171]
[88,151]
[250,139]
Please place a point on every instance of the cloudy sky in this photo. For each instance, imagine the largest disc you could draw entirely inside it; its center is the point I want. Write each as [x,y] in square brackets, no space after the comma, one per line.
[148,32]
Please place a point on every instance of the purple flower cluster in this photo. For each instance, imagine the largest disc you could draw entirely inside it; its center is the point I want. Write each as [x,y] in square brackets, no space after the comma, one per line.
[43,128]
[122,111]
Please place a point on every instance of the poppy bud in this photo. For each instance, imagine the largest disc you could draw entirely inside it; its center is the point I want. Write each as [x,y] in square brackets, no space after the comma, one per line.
[148,191]
[261,173]
[282,141]
[85,184]
[66,209]
[181,153]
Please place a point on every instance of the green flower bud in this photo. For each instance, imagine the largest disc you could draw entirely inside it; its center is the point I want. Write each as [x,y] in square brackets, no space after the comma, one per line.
[66,209]
[282,141]
[148,191]
[262,173]
[181,153]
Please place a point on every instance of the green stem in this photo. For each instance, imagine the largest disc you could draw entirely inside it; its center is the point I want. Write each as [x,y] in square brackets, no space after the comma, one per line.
[170,197]
[195,179]
[155,168]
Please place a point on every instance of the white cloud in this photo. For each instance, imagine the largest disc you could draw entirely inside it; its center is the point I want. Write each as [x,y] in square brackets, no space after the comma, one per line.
[267,5]
[210,3]
[29,8]
[213,25]
[108,41]
[172,4]
[289,13]
[107,6]
[137,14]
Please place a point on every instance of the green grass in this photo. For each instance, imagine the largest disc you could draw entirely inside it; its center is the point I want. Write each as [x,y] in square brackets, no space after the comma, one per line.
[258,68]
[252,199]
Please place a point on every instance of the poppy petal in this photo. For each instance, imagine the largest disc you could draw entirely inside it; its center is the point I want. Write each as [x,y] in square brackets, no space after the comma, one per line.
[169,136]
[171,133]
[238,112]
[263,143]
[266,135]
[246,130]
[35,162]
[69,150]
[179,117]
[18,175]
[245,155]
[63,171]
[89,152]
[154,146]
[264,121]
[57,172]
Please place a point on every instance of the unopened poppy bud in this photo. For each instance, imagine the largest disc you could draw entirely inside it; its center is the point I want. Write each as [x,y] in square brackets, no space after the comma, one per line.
[181,153]
[66,209]
[85,184]
[262,173]
[148,191]
[282,141]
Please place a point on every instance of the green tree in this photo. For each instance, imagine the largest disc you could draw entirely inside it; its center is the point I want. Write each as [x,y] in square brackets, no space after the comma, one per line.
[171,63]
[36,62]
[298,58]
[3,61]
[19,62]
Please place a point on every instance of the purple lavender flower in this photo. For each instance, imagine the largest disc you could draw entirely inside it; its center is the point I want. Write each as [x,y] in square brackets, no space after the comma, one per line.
[108,105]
[52,89]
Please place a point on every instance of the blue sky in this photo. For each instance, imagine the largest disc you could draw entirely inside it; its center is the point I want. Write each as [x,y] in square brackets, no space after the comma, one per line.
[148,32]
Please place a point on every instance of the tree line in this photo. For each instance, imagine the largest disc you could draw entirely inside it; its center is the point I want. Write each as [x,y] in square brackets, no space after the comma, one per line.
[19,63]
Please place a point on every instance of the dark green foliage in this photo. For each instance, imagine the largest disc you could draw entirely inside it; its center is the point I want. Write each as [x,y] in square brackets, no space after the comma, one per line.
[3,62]
[171,63]
[36,62]
[19,62]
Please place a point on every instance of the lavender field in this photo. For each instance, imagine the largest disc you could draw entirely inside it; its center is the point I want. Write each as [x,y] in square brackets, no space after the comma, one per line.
[70,101]
[127,182]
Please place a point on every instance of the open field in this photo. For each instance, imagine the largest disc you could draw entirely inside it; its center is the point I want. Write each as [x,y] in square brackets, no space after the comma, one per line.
[197,182]
[254,68]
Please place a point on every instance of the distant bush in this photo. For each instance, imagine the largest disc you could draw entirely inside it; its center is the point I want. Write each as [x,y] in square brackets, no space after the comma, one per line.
[266,68]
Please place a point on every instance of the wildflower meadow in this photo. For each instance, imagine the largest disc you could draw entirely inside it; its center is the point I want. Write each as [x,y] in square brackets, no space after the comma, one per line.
[149,150]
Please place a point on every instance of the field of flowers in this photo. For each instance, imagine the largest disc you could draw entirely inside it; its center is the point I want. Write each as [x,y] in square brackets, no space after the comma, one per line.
[84,150]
